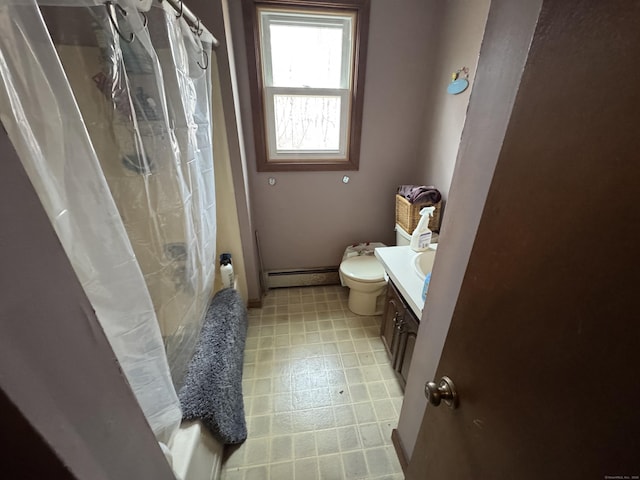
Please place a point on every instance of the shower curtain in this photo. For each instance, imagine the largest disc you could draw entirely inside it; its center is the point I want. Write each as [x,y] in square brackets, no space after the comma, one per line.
[110,112]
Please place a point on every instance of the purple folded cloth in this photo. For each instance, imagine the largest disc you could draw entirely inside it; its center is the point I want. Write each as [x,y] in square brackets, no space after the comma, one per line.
[419,193]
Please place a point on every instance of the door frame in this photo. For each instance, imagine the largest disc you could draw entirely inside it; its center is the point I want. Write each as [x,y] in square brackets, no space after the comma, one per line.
[490,105]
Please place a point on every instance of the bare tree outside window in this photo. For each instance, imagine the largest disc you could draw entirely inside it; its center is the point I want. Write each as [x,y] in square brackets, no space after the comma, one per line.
[307,123]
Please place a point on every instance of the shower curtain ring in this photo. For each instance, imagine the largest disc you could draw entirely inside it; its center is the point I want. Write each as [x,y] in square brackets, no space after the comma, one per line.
[146,20]
[206,62]
[112,12]
[181,5]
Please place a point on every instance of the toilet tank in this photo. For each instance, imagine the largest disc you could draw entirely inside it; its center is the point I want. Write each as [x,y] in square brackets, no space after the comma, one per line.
[402,236]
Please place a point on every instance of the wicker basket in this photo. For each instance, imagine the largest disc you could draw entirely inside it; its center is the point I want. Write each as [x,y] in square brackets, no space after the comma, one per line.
[408,214]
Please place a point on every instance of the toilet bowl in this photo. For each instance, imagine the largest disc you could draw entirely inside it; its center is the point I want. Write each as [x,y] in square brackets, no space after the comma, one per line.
[366,279]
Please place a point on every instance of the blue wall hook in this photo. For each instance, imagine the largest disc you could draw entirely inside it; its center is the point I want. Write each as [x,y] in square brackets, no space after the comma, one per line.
[458,85]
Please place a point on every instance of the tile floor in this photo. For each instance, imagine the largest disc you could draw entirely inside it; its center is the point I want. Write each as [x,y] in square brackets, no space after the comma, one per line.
[320,395]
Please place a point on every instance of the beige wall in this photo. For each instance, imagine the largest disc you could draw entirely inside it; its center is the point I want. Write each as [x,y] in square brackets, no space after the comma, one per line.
[307,219]
[214,14]
[228,229]
[411,133]
[460,28]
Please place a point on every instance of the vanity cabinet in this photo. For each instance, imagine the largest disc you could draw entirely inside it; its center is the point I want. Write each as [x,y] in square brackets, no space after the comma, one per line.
[398,331]
[406,342]
[393,311]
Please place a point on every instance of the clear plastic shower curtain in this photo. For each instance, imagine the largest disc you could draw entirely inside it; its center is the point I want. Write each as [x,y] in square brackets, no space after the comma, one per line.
[145,95]
[184,60]
[122,163]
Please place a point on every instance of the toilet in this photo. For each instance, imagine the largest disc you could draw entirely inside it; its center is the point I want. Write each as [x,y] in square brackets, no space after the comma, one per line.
[361,271]
[403,238]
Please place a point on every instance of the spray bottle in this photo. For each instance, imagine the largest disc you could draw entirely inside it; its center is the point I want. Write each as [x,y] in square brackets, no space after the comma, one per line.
[421,237]
[226,270]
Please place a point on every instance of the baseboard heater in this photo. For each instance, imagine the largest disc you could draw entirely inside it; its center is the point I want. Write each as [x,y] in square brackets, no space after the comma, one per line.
[302,277]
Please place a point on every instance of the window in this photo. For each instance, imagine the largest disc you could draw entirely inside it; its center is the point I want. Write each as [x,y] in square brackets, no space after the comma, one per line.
[307,65]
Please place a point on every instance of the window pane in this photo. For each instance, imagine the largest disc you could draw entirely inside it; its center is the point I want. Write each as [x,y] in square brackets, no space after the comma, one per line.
[308,55]
[307,122]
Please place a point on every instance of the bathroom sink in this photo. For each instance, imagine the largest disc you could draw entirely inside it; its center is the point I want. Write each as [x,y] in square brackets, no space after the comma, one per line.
[423,262]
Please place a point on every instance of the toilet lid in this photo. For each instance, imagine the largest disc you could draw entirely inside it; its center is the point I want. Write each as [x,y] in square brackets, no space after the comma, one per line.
[365,268]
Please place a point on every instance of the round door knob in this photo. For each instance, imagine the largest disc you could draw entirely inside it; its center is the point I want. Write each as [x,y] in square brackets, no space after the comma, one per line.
[444,391]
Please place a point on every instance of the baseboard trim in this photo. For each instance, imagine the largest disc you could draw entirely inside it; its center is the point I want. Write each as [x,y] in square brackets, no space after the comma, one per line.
[397,444]
[302,277]
[254,303]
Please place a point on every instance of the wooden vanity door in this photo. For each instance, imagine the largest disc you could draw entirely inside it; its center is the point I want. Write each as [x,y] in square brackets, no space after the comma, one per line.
[407,335]
[393,313]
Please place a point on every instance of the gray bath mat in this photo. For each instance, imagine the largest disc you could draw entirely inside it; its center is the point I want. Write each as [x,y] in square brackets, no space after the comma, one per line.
[212,390]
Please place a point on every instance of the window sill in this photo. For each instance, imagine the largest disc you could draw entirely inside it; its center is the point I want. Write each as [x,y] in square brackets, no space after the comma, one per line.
[306,166]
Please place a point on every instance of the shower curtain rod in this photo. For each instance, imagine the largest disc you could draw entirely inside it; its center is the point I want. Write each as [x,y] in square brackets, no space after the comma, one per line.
[189,16]
[178,5]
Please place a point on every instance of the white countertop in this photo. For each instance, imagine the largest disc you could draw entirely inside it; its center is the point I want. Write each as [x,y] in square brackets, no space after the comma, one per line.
[398,263]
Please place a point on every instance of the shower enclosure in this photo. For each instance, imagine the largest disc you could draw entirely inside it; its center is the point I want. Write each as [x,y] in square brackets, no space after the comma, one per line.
[109,107]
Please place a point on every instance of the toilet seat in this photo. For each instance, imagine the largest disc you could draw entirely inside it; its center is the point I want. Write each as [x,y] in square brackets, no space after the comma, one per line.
[363,268]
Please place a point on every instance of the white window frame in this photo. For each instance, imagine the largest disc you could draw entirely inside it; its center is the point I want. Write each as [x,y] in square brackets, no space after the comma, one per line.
[297,154]
[268,16]
[350,93]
